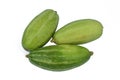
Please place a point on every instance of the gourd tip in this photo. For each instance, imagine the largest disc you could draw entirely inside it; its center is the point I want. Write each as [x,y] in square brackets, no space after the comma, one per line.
[27,56]
[91,52]
[52,40]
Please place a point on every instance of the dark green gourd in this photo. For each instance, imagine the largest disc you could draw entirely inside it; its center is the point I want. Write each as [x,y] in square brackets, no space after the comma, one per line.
[59,57]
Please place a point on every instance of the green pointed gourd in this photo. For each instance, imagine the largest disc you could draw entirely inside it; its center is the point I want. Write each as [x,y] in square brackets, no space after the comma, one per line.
[78,32]
[40,30]
[59,57]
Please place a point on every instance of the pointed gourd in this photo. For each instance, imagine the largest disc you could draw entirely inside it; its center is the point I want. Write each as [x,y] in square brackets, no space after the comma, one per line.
[40,30]
[78,32]
[59,57]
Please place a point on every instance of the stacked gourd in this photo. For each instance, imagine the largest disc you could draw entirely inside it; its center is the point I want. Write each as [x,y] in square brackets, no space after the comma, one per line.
[66,54]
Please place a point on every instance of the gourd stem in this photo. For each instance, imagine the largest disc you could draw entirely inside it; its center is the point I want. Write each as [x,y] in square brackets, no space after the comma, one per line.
[91,52]
[27,56]
[52,40]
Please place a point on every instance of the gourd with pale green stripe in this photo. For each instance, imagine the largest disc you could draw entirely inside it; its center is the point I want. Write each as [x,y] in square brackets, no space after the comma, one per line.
[59,57]
[78,32]
[40,30]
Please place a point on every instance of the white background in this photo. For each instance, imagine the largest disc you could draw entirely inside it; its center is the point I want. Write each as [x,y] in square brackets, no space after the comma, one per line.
[15,16]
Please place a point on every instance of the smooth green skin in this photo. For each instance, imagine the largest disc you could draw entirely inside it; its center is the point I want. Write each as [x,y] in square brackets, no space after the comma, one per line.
[78,32]
[59,57]
[40,30]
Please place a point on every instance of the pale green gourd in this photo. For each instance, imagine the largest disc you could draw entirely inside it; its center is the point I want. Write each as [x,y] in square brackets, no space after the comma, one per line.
[40,30]
[78,32]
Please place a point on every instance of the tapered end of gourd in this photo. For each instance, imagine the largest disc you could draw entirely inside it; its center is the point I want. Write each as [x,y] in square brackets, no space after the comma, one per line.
[52,40]
[91,53]
[27,56]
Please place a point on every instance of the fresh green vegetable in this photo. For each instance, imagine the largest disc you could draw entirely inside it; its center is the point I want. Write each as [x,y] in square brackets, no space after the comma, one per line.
[78,32]
[59,57]
[40,30]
